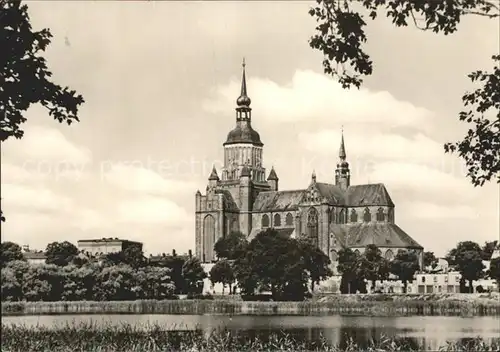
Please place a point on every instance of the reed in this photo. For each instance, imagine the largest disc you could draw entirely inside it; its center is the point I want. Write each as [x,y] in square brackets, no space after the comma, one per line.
[235,307]
[90,337]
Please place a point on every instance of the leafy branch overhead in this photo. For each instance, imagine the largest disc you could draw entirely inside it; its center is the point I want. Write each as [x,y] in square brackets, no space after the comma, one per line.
[24,75]
[340,36]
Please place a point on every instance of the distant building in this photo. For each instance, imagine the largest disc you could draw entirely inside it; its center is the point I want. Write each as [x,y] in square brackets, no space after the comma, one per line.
[35,257]
[101,246]
[336,214]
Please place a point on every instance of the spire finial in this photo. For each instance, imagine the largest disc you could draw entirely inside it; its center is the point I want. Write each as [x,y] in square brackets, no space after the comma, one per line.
[342,153]
[243,100]
[313,176]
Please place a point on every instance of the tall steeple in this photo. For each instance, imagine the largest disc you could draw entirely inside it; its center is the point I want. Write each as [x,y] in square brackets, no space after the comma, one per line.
[243,100]
[342,154]
[342,173]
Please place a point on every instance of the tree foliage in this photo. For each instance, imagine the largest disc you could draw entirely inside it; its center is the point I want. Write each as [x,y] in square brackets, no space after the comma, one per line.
[373,266]
[193,274]
[430,260]
[24,75]
[60,253]
[494,272]
[222,272]
[349,266]
[10,251]
[341,38]
[404,266]
[280,264]
[488,249]
[230,246]
[466,259]
[316,262]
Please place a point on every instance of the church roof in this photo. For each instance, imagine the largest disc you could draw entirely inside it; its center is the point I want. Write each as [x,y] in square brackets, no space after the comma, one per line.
[332,193]
[380,234]
[229,203]
[278,201]
[366,195]
[243,134]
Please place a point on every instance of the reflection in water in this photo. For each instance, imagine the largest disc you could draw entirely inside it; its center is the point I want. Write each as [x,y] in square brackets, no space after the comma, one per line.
[430,331]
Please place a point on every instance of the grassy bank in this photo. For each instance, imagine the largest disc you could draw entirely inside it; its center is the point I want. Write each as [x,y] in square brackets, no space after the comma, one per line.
[379,305]
[127,338]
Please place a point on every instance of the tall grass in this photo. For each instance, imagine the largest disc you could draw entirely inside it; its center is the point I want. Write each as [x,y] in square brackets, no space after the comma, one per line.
[90,337]
[234,307]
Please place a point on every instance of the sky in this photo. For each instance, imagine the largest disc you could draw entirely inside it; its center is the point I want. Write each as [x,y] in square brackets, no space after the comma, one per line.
[160,81]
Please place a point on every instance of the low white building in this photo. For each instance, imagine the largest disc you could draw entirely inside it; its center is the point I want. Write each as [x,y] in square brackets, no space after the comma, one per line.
[96,247]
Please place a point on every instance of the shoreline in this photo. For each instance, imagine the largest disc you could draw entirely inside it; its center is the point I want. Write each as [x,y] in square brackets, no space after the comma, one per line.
[360,305]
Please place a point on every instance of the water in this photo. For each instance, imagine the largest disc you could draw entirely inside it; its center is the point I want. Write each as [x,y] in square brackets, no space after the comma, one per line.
[431,331]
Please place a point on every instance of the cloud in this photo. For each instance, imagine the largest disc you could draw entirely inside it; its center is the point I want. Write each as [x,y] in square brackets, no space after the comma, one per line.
[316,97]
[140,179]
[374,144]
[34,199]
[151,210]
[424,210]
[42,145]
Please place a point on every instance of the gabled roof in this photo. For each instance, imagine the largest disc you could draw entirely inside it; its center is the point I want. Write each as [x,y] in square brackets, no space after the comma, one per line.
[380,234]
[332,193]
[366,195]
[278,201]
[229,203]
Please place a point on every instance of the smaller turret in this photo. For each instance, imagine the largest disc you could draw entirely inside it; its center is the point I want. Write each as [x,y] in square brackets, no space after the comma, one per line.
[313,177]
[273,179]
[213,179]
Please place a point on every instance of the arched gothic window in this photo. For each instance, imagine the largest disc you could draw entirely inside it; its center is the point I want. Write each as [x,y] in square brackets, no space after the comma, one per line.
[380,214]
[265,220]
[289,219]
[390,215]
[354,215]
[312,224]
[389,255]
[277,220]
[208,238]
[357,252]
[342,216]
[367,216]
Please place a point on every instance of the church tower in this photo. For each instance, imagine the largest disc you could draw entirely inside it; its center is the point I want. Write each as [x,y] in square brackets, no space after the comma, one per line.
[342,173]
[243,146]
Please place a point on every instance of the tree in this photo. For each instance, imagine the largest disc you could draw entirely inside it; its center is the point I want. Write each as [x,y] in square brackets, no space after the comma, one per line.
[466,258]
[373,266]
[404,266]
[316,261]
[488,249]
[25,77]
[494,272]
[60,253]
[273,262]
[430,260]
[193,274]
[132,256]
[230,246]
[222,272]
[352,277]
[340,37]
[10,251]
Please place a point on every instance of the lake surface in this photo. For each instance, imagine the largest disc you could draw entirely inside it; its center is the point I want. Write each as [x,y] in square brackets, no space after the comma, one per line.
[431,331]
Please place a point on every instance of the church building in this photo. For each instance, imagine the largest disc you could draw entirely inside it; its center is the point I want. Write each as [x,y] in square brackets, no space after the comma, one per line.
[246,198]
